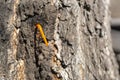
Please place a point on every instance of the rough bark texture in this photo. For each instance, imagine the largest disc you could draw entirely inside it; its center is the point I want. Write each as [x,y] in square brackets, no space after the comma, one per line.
[79,39]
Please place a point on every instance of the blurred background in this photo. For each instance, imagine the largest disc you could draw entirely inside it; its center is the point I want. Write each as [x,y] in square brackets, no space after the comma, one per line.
[115,28]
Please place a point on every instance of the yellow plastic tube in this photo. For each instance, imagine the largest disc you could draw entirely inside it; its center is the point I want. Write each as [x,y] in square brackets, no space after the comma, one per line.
[39,27]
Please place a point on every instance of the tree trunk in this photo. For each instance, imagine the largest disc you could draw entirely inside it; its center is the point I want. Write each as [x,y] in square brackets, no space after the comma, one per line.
[78,34]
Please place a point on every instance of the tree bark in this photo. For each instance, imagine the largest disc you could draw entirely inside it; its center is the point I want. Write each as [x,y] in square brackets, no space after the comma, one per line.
[78,33]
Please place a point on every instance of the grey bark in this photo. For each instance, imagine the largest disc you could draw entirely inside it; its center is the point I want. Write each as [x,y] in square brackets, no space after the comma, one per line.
[78,33]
